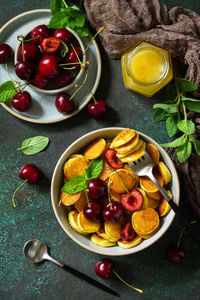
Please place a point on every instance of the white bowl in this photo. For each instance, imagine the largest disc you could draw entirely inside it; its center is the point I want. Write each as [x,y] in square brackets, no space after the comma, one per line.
[62,89]
[61,212]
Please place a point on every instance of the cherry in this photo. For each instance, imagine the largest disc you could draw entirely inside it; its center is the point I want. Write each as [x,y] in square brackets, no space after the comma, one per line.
[97,189]
[31,52]
[93,211]
[6,53]
[25,70]
[63,34]
[175,254]
[40,31]
[64,78]
[48,66]
[63,104]
[132,201]
[21,101]
[29,172]
[103,268]
[127,232]
[50,45]
[71,56]
[112,212]
[97,110]
[40,81]
[112,159]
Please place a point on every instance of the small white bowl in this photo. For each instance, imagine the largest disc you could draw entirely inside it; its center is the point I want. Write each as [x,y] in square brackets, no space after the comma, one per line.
[61,212]
[67,87]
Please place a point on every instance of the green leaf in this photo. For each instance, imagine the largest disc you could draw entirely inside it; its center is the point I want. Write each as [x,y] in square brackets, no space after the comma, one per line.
[75,185]
[160,115]
[193,106]
[94,169]
[63,49]
[186,126]
[170,108]
[170,92]
[186,85]
[196,144]
[184,152]
[176,143]
[59,20]
[80,21]
[7,91]
[171,125]
[83,31]
[56,6]
[34,145]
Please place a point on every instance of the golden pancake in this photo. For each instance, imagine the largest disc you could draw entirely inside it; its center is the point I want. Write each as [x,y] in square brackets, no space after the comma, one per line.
[165,173]
[133,156]
[95,149]
[130,244]
[87,225]
[116,184]
[73,221]
[153,152]
[145,221]
[98,240]
[69,199]
[81,203]
[123,137]
[75,166]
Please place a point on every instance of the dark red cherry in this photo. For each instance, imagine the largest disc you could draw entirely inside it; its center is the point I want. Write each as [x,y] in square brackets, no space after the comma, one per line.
[30,172]
[64,78]
[127,232]
[40,81]
[22,101]
[132,201]
[41,32]
[103,268]
[31,52]
[63,104]
[93,211]
[50,45]
[97,110]
[63,34]
[6,53]
[25,70]
[175,254]
[112,213]
[112,159]
[71,56]
[48,66]
[97,189]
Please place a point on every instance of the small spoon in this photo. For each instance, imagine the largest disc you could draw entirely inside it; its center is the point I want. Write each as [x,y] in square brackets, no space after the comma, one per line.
[36,251]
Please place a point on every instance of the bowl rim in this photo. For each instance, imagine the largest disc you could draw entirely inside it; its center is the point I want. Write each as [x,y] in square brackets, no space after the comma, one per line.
[134,249]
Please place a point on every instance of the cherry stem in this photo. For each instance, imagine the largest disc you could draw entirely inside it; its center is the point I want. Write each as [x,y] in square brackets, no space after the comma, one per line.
[21,39]
[181,234]
[92,39]
[80,62]
[15,81]
[86,194]
[65,4]
[84,81]
[85,86]
[132,287]
[120,179]
[109,196]
[13,196]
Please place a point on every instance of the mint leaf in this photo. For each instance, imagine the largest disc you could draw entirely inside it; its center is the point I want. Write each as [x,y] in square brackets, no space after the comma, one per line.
[160,115]
[190,99]
[176,143]
[186,126]
[59,20]
[170,92]
[196,144]
[63,49]
[34,145]
[75,185]
[171,125]
[83,31]
[170,108]
[184,152]
[94,169]
[186,85]
[56,6]
[193,106]
[7,91]
[79,21]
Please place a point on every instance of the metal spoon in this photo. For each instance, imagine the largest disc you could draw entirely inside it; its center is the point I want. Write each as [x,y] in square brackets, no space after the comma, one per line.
[36,251]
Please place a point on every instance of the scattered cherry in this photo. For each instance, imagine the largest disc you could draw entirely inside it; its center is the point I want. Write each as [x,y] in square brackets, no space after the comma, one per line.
[63,34]
[97,189]
[40,31]
[31,52]
[40,81]
[64,78]
[112,212]
[175,254]
[103,268]
[63,104]
[6,53]
[132,201]
[21,101]
[93,211]
[97,110]
[29,172]
[127,232]
[71,56]
[50,45]
[25,70]
[112,159]
[48,66]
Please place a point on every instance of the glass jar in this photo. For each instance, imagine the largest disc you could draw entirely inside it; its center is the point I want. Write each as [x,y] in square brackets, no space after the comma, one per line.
[146,68]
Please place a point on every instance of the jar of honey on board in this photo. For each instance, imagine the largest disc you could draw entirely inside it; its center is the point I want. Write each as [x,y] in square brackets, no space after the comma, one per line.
[146,68]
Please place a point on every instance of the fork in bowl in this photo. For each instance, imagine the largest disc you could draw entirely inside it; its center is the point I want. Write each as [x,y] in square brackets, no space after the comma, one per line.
[144,167]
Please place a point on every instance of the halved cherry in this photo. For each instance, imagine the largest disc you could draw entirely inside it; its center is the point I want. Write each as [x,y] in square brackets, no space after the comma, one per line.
[113,160]
[127,232]
[50,45]
[132,201]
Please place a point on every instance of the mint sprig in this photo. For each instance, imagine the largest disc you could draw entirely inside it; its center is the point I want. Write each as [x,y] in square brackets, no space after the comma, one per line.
[7,91]
[169,112]
[34,145]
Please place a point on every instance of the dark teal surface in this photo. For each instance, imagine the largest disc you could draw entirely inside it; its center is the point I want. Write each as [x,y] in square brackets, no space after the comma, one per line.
[34,218]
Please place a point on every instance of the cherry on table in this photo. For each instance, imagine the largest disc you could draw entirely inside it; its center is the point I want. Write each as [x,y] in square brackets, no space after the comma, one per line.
[41,32]
[50,45]
[40,81]
[112,159]
[97,189]
[64,78]
[21,101]
[6,53]
[31,52]
[175,254]
[63,104]
[30,172]
[97,110]
[93,211]
[63,34]
[112,212]
[132,201]
[103,268]
[48,66]
[25,70]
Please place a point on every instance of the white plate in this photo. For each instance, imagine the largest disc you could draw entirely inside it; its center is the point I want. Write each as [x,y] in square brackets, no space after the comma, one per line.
[43,109]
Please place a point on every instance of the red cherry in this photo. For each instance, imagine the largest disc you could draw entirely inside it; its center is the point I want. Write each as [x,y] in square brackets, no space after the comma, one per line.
[93,211]
[63,34]
[31,52]
[112,159]
[40,81]
[175,254]
[132,201]
[97,189]
[22,101]
[50,45]
[64,78]
[6,53]
[127,232]
[97,110]
[112,213]
[30,172]
[63,104]
[40,31]
[103,268]
[48,66]
[71,56]
[25,70]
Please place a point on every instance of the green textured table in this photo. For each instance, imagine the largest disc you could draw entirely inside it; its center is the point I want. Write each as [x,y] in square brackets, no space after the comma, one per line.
[34,218]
